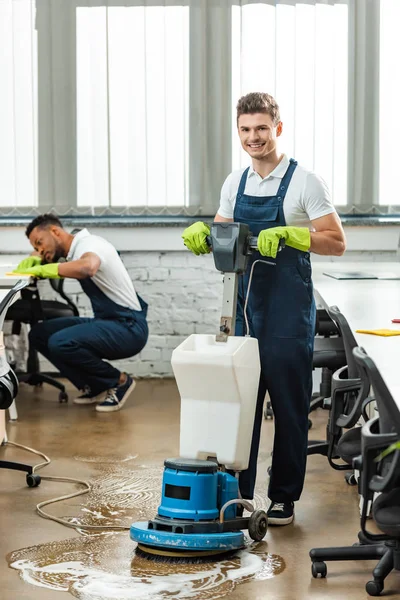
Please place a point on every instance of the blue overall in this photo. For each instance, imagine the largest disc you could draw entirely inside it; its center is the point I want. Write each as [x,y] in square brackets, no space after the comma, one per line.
[77,345]
[281,314]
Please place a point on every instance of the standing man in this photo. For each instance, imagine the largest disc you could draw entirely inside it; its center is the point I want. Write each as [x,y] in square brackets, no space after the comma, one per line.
[278,199]
[77,345]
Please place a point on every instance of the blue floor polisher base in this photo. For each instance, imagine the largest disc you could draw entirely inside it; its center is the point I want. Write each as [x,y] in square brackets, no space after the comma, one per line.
[217,542]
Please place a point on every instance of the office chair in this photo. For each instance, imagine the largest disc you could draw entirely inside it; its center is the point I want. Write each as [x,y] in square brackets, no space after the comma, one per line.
[376,476]
[9,387]
[31,309]
[328,355]
[349,399]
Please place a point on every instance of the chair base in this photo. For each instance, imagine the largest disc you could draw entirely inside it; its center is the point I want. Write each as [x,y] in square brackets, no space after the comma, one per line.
[37,379]
[317,447]
[387,553]
[32,480]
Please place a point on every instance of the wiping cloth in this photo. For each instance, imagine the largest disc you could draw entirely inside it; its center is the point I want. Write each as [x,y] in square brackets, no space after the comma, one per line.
[382,332]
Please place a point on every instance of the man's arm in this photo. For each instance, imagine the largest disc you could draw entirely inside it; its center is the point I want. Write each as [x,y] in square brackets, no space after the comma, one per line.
[86,266]
[328,238]
[219,219]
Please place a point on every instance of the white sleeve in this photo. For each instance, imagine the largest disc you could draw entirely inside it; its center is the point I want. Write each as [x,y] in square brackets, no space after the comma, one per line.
[226,200]
[87,245]
[317,201]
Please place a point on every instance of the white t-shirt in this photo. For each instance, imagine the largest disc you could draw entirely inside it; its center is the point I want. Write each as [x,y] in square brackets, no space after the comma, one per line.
[307,197]
[111,278]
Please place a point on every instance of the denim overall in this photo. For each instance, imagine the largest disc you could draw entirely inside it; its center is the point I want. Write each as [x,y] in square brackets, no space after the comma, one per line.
[281,315]
[77,345]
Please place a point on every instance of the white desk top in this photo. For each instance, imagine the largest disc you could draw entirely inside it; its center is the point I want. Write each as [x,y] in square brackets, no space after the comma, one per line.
[7,264]
[367,304]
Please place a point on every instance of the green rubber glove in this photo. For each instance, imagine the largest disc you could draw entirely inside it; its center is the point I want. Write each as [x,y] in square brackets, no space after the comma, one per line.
[296,237]
[49,271]
[27,263]
[194,238]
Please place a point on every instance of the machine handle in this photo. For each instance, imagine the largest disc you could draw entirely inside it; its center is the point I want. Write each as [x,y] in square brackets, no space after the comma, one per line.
[252,242]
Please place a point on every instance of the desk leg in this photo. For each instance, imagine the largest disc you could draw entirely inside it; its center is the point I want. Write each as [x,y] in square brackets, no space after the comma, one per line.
[12,411]
[2,426]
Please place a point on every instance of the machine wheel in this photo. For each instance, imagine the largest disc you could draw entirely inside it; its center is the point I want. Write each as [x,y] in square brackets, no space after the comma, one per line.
[374,588]
[33,480]
[258,525]
[319,568]
[350,479]
[63,397]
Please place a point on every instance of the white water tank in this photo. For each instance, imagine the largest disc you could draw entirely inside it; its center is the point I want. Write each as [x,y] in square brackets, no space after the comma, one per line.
[218,384]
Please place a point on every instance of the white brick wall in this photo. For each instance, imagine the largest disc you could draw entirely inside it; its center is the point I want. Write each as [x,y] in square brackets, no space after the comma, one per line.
[184,294]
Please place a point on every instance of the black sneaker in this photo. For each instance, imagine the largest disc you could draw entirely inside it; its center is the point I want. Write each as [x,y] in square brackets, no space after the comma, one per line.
[280,513]
[116,397]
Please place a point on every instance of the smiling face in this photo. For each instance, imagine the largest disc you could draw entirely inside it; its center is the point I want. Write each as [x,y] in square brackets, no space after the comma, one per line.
[47,241]
[258,134]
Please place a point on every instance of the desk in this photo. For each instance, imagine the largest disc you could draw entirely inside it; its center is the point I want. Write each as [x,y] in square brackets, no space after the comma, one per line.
[6,283]
[8,262]
[367,304]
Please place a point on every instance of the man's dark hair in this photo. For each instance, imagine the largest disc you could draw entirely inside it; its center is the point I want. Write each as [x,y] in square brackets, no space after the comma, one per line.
[42,221]
[258,102]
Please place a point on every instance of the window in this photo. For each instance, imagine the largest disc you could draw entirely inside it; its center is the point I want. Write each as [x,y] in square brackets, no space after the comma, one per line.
[18,104]
[389,110]
[132,106]
[299,54]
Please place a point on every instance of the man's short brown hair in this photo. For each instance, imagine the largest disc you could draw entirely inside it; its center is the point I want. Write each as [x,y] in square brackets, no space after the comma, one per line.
[258,102]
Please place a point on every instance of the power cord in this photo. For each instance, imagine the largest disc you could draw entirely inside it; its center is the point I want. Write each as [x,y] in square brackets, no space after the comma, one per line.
[87,488]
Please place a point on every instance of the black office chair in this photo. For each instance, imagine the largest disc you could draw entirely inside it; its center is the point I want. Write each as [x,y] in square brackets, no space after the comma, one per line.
[376,476]
[328,355]
[347,404]
[31,309]
[9,388]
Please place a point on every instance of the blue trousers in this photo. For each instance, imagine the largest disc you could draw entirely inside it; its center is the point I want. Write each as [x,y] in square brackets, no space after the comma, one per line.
[78,345]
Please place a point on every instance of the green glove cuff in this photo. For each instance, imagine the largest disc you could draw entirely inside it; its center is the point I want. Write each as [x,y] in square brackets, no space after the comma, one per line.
[299,238]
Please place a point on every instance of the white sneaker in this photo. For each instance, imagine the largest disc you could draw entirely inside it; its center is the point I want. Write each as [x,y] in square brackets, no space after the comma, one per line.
[87,398]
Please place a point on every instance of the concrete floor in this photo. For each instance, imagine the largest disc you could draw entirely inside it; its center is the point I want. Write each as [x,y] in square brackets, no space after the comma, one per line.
[122,455]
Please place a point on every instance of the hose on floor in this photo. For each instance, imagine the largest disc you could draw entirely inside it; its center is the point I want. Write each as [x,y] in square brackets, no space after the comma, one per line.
[85,484]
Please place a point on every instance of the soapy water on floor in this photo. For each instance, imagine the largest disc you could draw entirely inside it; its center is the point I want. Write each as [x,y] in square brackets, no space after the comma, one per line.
[104,566]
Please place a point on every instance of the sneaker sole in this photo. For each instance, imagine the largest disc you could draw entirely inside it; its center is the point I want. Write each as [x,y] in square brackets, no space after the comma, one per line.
[121,403]
[94,400]
[83,401]
[276,521]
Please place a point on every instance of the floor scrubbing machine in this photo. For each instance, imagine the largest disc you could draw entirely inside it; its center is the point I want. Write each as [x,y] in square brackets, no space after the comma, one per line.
[217,377]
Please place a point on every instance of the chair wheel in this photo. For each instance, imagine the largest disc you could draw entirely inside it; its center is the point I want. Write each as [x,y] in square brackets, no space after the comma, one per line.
[350,479]
[319,568]
[268,412]
[309,423]
[33,480]
[374,588]
[258,525]
[63,397]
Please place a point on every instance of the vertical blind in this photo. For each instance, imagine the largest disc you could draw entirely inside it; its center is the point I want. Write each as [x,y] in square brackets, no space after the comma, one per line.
[299,54]
[133,144]
[18,104]
[132,105]
[389,108]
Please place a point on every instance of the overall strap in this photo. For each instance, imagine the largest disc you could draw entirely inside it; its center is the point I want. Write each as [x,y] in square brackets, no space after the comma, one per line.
[286,179]
[242,183]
